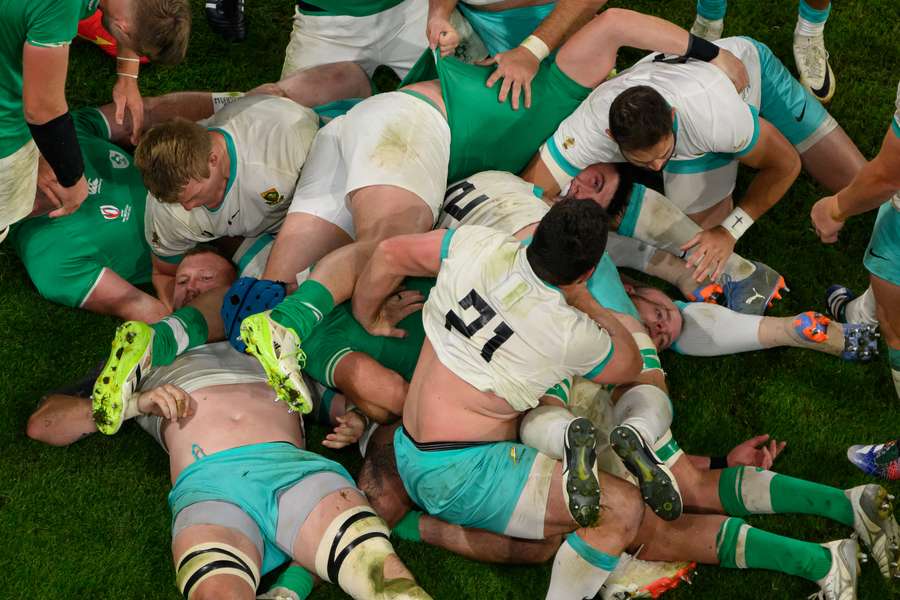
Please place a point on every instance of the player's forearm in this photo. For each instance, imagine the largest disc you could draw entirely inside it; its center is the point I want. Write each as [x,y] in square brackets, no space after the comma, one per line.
[380,278]
[627,28]
[869,189]
[440,9]
[768,187]
[568,16]
[164,285]
[128,63]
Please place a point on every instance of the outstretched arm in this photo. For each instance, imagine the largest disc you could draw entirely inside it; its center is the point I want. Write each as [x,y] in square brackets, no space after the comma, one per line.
[393,259]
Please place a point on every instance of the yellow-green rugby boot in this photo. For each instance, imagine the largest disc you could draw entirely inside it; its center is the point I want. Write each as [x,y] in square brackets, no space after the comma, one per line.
[277,348]
[129,358]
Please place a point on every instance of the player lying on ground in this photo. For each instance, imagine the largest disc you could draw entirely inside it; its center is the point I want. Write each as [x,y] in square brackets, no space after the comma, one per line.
[877,180]
[213,413]
[810,55]
[95,258]
[687,121]
[35,119]
[450,442]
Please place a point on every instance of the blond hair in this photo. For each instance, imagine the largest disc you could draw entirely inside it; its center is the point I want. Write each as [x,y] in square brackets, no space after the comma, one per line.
[171,154]
[161,29]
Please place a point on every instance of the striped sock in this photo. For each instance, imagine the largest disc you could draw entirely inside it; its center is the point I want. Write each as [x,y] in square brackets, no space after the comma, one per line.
[176,334]
[740,546]
[305,308]
[754,491]
[811,21]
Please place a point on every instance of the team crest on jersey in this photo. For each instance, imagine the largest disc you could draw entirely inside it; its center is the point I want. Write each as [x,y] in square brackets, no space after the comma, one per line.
[118,160]
[110,212]
[94,186]
[272,197]
[569,142]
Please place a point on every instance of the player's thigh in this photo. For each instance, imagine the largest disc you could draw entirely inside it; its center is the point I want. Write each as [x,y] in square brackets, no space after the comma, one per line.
[311,533]
[834,160]
[620,503]
[303,240]
[319,40]
[887,301]
[216,561]
[700,187]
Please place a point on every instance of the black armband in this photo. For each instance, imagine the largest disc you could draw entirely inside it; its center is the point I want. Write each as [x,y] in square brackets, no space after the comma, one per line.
[718,462]
[58,143]
[701,49]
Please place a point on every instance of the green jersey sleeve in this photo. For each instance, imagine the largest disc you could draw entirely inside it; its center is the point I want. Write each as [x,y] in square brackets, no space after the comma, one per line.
[90,122]
[54,23]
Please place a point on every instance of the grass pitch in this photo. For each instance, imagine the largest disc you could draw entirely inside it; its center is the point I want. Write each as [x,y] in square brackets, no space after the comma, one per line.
[90,521]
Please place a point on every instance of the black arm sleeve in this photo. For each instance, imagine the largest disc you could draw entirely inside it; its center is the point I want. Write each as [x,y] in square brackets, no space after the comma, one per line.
[57,141]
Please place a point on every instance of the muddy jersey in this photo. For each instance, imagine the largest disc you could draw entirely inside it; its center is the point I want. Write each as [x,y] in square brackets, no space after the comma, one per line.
[495,199]
[502,329]
[267,139]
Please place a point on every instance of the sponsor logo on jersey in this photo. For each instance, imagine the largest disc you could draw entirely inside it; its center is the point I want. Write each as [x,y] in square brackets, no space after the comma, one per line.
[569,142]
[94,186]
[272,197]
[118,160]
[110,212]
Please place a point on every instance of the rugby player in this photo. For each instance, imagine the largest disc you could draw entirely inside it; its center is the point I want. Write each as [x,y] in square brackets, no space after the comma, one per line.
[213,413]
[877,180]
[471,382]
[686,121]
[34,46]
[810,54]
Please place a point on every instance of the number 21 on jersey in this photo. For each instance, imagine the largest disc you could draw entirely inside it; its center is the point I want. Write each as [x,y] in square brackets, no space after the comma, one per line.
[486,314]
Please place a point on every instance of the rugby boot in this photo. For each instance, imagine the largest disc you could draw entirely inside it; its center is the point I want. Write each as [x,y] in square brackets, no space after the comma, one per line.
[860,342]
[813,67]
[582,489]
[277,348]
[840,581]
[882,460]
[874,522]
[709,293]
[130,357]
[226,18]
[756,292]
[708,29]
[636,578]
[656,482]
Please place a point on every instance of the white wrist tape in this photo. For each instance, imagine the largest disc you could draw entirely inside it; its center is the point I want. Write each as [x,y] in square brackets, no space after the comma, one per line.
[536,46]
[649,355]
[131,407]
[737,222]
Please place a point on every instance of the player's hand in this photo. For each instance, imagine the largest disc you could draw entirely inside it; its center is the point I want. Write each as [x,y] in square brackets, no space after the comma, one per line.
[826,227]
[127,97]
[349,429]
[66,199]
[167,401]
[711,249]
[397,307]
[441,34]
[732,66]
[517,67]
[759,451]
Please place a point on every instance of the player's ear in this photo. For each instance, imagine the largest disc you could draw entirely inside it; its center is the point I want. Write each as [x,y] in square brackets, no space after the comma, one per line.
[609,134]
[586,276]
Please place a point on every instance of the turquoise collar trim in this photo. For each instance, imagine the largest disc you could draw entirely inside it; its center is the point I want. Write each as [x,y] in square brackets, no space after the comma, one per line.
[232,167]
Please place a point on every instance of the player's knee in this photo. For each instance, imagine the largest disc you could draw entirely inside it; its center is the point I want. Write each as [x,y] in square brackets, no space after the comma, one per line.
[222,587]
[349,75]
[623,511]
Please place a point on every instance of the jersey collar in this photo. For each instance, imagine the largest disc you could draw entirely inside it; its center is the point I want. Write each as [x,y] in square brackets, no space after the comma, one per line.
[232,160]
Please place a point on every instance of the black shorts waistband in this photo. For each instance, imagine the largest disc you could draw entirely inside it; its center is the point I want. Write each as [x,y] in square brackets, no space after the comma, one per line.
[438,446]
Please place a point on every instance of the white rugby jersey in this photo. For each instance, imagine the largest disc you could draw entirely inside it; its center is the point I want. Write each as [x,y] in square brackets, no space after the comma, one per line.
[495,199]
[710,116]
[268,139]
[499,327]
[205,366]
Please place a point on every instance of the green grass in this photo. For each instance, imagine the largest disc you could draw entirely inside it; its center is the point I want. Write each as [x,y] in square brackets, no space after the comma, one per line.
[90,521]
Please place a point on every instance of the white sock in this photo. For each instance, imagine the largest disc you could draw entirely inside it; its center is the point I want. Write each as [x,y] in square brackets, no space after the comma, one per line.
[579,571]
[808,28]
[629,252]
[862,309]
[713,330]
[544,429]
[646,408]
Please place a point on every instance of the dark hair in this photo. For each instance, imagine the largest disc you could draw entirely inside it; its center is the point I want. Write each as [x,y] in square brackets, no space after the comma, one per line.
[569,241]
[210,249]
[639,118]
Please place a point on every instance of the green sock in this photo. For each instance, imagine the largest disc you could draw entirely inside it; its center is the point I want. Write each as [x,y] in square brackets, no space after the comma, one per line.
[302,310]
[740,546]
[176,334]
[752,491]
[408,527]
[297,579]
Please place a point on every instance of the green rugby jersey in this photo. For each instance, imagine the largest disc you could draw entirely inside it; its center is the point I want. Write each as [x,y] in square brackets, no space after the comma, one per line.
[65,257]
[43,23]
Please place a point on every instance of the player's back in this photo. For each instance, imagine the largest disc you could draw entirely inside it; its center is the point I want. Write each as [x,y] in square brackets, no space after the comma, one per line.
[495,199]
[495,324]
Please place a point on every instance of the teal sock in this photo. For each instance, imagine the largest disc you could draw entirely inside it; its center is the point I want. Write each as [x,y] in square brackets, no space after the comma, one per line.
[813,15]
[408,527]
[297,579]
[302,310]
[740,546]
[752,491]
[176,334]
[712,9]
[894,357]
